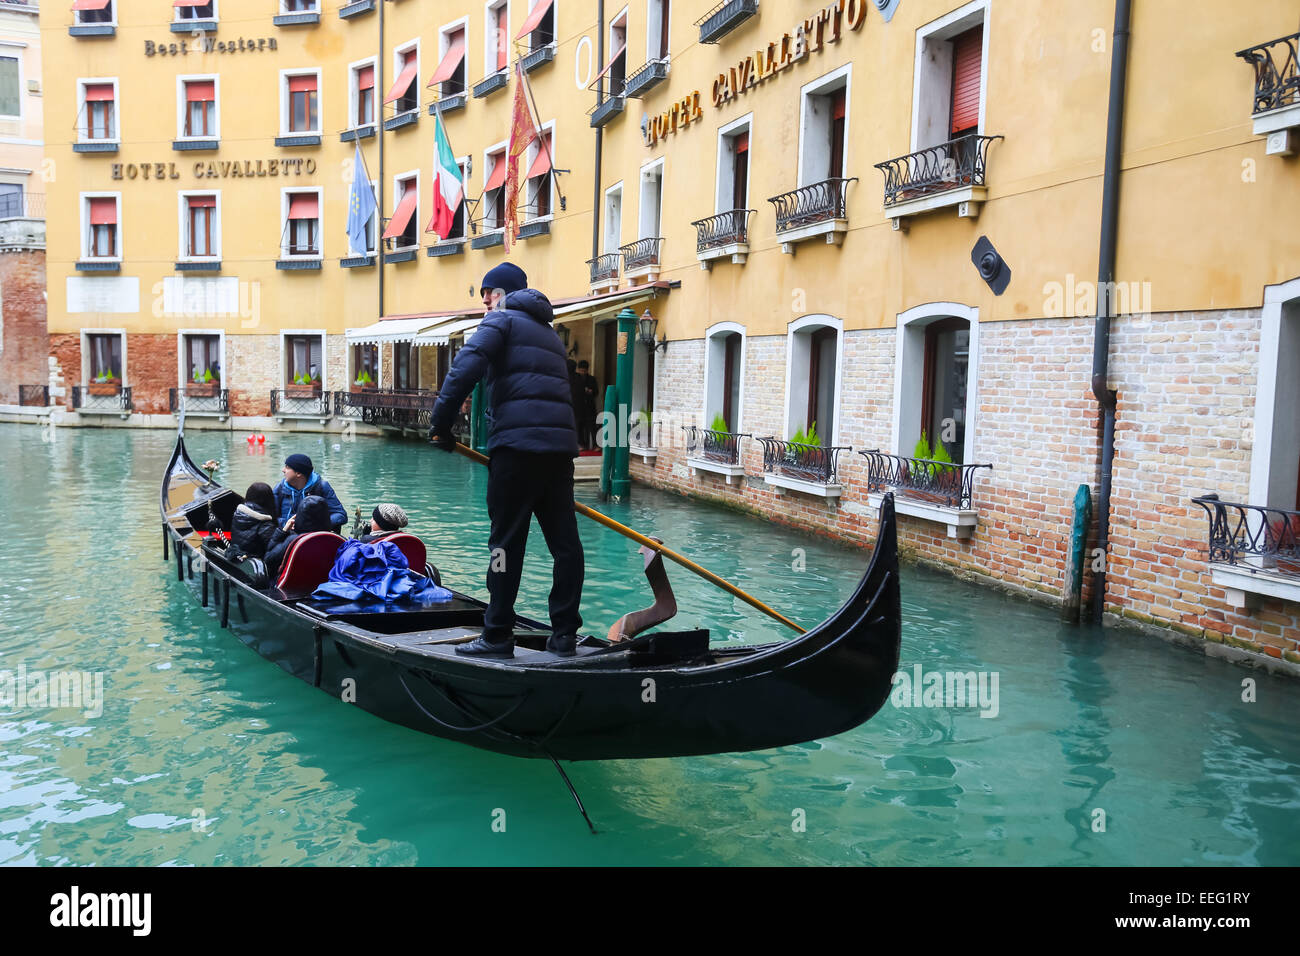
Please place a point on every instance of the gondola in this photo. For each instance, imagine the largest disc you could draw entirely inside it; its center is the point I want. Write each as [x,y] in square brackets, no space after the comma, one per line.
[662,694]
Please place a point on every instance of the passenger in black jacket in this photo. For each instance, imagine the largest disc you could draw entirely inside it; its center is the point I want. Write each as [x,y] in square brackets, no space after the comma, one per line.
[313,514]
[254,521]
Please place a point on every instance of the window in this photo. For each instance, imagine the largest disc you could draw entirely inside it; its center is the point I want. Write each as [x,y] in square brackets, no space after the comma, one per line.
[450,75]
[966,50]
[494,198]
[813,370]
[99,111]
[405,93]
[497,40]
[302,360]
[724,368]
[302,223]
[733,165]
[652,185]
[401,231]
[949,77]
[617,66]
[934,378]
[101,218]
[195,10]
[201,232]
[303,103]
[457,228]
[1275,455]
[104,354]
[372,226]
[365,364]
[299,6]
[656,45]
[539,176]
[943,389]
[200,108]
[93,11]
[823,120]
[11,200]
[363,94]
[202,359]
[540,25]
[10,100]
[404,370]
[613,218]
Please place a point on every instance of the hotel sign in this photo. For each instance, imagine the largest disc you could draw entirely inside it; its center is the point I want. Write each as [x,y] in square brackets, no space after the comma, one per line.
[218,169]
[207,44]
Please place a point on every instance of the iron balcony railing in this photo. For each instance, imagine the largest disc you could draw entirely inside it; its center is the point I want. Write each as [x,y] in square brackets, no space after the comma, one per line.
[300,400]
[116,400]
[955,164]
[816,202]
[724,18]
[388,407]
[1253,536]
[725,229]
[938,482]
[37,395]
[604,267]
[607,108]
[640,254]
[815,463]
[199,399]
[720,447]
[1277,72]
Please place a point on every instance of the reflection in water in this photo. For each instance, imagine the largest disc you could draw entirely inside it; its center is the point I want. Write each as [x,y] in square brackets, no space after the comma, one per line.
[205,753]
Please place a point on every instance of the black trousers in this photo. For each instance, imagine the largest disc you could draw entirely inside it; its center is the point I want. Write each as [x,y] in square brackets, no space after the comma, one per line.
[520,485]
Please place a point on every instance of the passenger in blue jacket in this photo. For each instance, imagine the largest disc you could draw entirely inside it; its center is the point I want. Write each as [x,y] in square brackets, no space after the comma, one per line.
[301,480]
[532,444]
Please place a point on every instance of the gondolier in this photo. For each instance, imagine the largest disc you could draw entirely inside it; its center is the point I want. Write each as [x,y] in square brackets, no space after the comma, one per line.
[533,442]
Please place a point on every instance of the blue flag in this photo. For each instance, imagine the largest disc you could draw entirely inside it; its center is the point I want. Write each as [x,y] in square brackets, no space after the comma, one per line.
[361,206]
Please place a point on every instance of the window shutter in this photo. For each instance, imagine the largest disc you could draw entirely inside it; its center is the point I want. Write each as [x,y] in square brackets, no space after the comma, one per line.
[501,36]
[366,78]
[742,142]
[99,92]
[966,54]
[302,84]
[202,202]
[103,211]
[201,91]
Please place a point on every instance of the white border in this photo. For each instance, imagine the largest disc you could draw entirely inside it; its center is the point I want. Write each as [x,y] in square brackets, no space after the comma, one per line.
[285,193]
[726,131]
[85,227]
[921,316]
[813,88]
[177,18]
[490,51]
[1276,299]
[181,380]
[399,52]
[182,105]
[85,354]
[640,212]
[719,328]
[618,240]
[83,112]
[112,8]
[944,25]
[444,46]
[531,156]
[354,91]
[182,212]
[284,102]
[283,372]
[814,321]
[398,178]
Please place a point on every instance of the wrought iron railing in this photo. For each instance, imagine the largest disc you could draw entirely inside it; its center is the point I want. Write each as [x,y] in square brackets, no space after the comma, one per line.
[938,482]
[604,267]
[388,407]
[300,400]
[198,399]
[724,18]
[100,399]
[1254,536]
[955,164]
[1277,72]
[607,108]
[816,202]
[38,395]
[645,79]
[725,229]
[640,254]
[721,447]
[816,463]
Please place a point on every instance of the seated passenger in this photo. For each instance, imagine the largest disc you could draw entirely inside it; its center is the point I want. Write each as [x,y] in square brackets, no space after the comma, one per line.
[301,480]
[384,520]
[313,514]
[254,521]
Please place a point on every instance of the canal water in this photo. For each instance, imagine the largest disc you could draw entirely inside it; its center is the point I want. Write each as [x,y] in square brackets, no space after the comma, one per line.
[1099,748]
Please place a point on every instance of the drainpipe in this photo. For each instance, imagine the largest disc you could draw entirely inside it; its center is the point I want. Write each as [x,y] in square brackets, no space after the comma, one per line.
[600,62]
[1105,288]
[379,186]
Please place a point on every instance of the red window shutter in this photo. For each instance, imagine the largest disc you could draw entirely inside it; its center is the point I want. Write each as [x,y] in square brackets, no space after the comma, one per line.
[304,206]
[99,92]
[837,102]
[966,55]
[302,84]
[501,35]
[201,91]
[742,142]
[498,177]
[366,78]
[203,202]
[103,211]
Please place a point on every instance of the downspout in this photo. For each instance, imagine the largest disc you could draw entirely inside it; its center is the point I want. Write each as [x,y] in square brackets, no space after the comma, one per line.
[595,202]
[1105,289]
[379,186]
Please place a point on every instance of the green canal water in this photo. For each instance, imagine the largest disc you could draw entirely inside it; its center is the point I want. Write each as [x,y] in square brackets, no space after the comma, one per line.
[1105,748]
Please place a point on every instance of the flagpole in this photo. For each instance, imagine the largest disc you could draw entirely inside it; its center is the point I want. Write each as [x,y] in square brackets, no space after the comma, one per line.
[541,133]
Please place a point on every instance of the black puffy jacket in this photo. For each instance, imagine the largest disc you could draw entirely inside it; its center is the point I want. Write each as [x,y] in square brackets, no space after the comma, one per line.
[313,514]
[251,531]
[518,355]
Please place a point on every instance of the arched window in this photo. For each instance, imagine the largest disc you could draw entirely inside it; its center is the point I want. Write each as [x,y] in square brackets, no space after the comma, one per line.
[935,378]
[813,350]
[724,367]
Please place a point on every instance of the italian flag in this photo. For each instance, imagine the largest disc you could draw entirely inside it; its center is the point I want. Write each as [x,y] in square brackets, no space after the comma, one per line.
[448,190]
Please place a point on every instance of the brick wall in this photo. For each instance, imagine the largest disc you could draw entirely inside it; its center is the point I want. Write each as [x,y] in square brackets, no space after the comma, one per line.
[65,350]
[24,353]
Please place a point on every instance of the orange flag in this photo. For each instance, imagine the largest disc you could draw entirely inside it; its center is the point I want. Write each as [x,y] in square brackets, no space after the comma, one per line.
[522,133]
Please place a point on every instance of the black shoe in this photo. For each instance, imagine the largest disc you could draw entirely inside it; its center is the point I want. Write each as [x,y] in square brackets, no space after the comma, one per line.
[482,647]
[562,646]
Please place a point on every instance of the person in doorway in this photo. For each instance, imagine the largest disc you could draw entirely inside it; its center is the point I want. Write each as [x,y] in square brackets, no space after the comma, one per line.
[590,390]
[301,480]
[532,444]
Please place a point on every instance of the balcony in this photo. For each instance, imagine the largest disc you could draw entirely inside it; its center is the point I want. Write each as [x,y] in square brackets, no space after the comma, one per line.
[195,25]
[715,452]
[102,398]
[99,265]
[34,396]
[298,139]
[296,19]
[402,119]
[799,466]
[448,102]
[401,255]
[300,401]
[950,174]
[1253,551]
[489,85]
[604,270]
[92,30]
[388,407]
[641,258]
[606,110]
[1276,107]
[452,247]
[724,18]
[497,237]
[200,399]
[356,8]
[195,145]
[641,436]
[357,262]
[646,78]
[198,265]
[359,132]
[723,235]
[538,57]
[818,209]
[534,228]
[96,147]
[927,489]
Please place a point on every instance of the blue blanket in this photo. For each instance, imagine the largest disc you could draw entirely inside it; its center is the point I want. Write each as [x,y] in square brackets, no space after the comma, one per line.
[378,571]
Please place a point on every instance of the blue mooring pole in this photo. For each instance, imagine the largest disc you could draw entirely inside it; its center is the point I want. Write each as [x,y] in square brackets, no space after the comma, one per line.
[1075,555]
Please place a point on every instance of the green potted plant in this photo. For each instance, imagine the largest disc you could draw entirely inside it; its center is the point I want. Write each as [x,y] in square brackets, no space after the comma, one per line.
[203,385]
[930,471]
[794,455]
[105,382]
[364,381]
[303,386]
[719,423]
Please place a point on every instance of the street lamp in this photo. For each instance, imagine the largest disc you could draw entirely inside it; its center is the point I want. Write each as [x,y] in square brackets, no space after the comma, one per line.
[647,325]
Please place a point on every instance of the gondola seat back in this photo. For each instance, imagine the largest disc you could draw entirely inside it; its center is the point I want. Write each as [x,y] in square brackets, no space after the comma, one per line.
[410,546]
[308,563]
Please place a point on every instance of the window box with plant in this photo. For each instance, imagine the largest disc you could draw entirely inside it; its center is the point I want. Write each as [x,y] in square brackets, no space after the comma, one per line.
[930,485]
[204,384]
[303,386]
[802,463]
[715,449]
[105,382]
[365,382]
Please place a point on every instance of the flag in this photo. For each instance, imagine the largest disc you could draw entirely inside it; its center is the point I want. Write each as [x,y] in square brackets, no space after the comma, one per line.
[361,206]
[522,133]
[448,189]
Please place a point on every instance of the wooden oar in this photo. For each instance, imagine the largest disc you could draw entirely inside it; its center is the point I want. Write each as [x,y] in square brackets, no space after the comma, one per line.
[663,549]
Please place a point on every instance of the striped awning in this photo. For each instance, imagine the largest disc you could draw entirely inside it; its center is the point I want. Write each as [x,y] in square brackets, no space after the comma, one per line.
[441,333]
[388,330]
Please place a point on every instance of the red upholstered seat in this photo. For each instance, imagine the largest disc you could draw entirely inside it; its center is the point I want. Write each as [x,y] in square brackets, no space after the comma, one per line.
[412,547]
[308,563]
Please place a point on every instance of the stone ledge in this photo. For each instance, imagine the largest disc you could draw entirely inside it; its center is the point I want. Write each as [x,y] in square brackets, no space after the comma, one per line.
[961,523]
[730,472]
